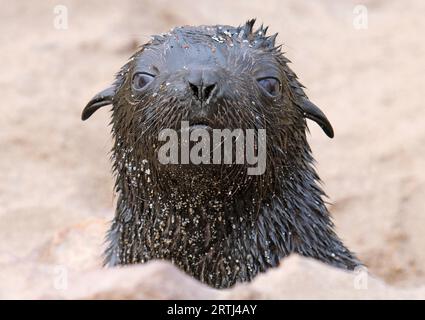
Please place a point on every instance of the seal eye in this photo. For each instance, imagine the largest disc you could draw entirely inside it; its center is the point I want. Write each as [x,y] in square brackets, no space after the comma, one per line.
[141,80]
[270,85]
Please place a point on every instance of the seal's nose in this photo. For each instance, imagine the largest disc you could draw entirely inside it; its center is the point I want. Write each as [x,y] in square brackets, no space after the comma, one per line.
[202,91]
[202,83]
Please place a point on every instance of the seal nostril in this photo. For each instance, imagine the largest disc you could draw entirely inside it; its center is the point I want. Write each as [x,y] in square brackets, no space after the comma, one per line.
[195,90]
[207,91]
[202,92]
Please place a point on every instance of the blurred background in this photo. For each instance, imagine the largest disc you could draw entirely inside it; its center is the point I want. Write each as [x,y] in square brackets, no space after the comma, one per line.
[363,65]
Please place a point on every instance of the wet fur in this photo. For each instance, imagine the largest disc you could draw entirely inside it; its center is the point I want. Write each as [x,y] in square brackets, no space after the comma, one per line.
[217,223]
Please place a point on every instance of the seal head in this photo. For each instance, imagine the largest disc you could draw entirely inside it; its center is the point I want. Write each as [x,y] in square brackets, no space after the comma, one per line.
[215,222]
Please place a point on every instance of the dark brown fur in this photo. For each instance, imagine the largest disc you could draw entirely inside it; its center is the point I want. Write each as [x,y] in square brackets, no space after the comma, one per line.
[214,221]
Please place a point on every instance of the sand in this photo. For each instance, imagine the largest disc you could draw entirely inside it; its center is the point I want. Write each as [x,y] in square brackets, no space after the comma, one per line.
[56,194]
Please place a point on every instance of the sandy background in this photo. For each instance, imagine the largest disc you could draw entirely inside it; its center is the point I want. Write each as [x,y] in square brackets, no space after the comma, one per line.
[56,194]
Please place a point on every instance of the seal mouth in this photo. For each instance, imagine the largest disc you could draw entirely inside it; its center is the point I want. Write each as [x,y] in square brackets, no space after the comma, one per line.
[200,124]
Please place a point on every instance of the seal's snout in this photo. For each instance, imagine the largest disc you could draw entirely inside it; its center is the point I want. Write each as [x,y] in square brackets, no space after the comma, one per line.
[203,83]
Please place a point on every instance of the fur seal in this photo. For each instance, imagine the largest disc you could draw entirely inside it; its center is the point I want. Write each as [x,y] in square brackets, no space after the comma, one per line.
[215,222]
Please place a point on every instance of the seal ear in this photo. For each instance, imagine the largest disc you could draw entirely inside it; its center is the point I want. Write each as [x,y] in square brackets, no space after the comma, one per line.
[102,99]
[312,112]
